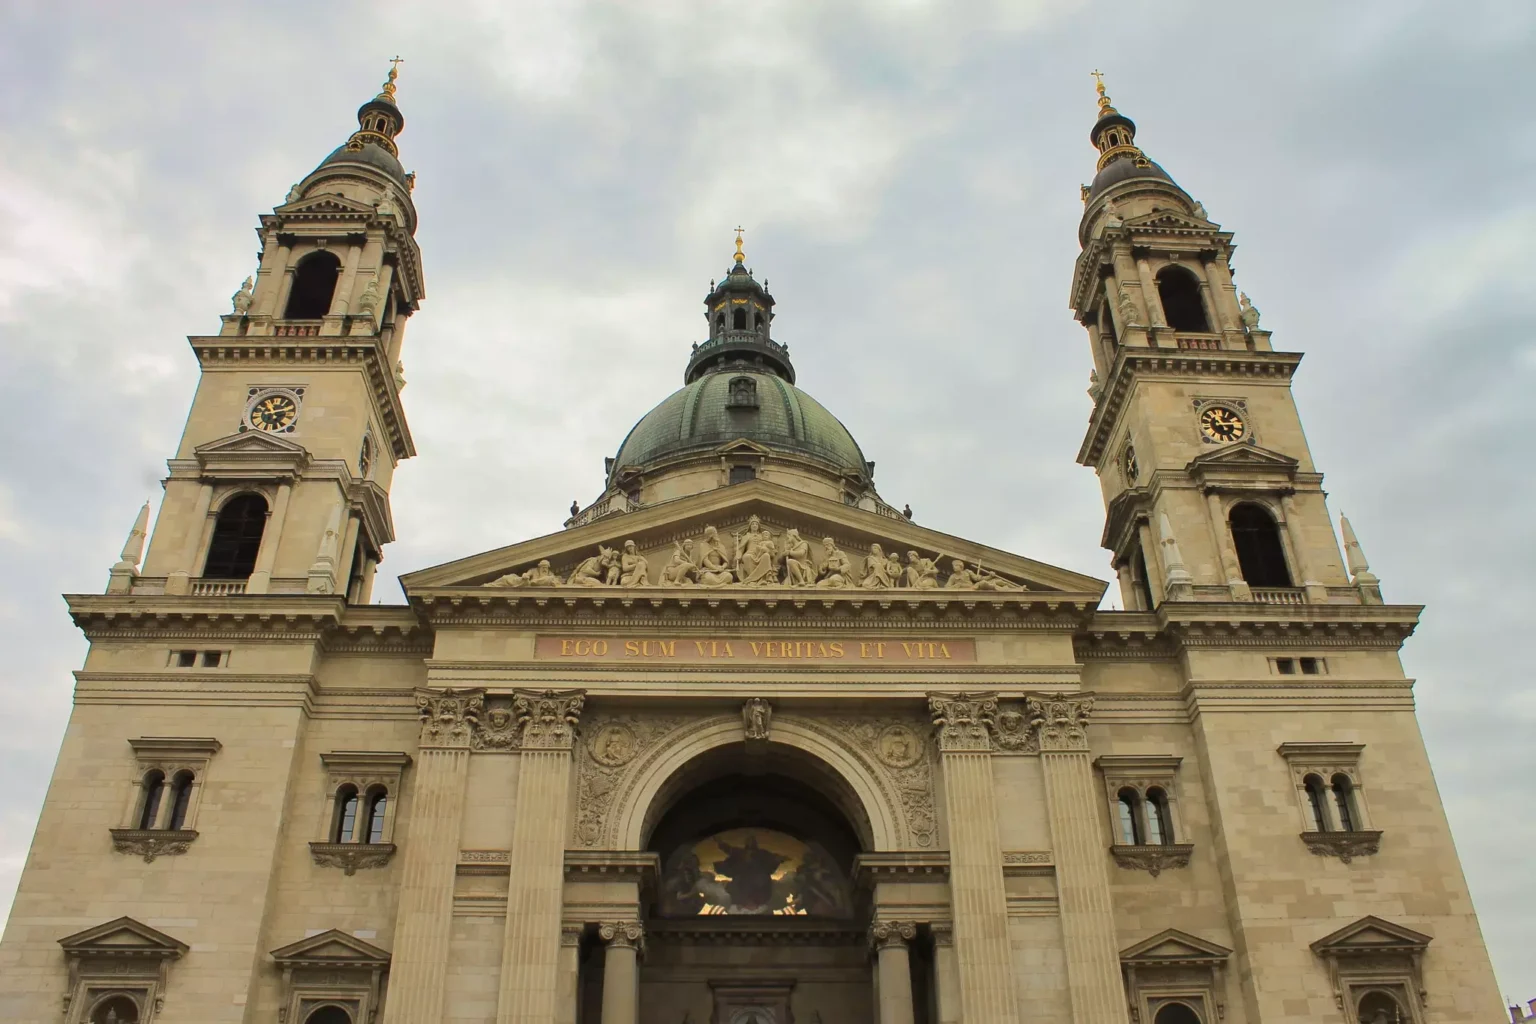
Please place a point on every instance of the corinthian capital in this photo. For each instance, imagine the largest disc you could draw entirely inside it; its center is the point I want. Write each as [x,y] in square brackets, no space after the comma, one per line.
[548,717]
[1060,721]
[449,717]
[963,720]
[891,933]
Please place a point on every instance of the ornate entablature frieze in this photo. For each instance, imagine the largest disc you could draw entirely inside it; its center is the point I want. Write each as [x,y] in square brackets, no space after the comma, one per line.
[471,719]
[548,717]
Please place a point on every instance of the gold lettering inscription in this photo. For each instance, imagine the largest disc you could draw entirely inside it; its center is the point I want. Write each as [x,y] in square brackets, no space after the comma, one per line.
[778,650]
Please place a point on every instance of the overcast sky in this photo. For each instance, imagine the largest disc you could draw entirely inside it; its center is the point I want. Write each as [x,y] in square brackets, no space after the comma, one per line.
[908,176]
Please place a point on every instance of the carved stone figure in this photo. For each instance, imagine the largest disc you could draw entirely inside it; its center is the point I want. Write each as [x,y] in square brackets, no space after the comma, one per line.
[680,571]
[538,576]
[836,567]
[1127,310]
[714,567]
[922,573]
[961,578]
[242,298]
[368,302]
[799,570]
[1112,218]
[594,571]
[755,551]
[634,570]
[386,205]
[293,194]
[756,717]
[877,570]
[1095,389]
[1250,311]
[1199,211]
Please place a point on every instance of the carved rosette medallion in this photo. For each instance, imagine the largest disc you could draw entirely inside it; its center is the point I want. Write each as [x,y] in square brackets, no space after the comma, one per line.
[1059,721]
[449,717]
[891,933]
[626,934]
[548,717]
[963,721]
[899,746]
[1011,732]
[613,745]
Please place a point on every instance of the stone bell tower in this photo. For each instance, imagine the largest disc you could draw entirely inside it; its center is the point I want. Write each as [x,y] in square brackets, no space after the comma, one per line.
[1209,485]
[281,481]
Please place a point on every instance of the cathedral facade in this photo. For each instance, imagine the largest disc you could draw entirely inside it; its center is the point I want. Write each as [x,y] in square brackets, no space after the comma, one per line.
[743,743]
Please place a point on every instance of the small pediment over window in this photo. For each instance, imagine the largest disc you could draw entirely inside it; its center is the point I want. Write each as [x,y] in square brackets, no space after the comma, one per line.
[1174,948]
[326,202]
[251,451]
[1371,935]
[1244,455]
[332,948]
[123,937]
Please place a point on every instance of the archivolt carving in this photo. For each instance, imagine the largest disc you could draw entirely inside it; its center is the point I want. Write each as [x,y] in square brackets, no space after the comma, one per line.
[901,754]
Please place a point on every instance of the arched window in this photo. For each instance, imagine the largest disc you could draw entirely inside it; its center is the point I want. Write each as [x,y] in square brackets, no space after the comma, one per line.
[181,799]
[757,322]
[739,320]
[719,323]
[1256,536]
[378,805]
[314,283]
[1316,803]
[1140,579]
[1180,292]
[1176,1013]
[1159,820]
[1344,802]
[329,1015]
[346,814]
[236,538]
[154,792]
[1130,818]
[1382,1008]
[116,1010]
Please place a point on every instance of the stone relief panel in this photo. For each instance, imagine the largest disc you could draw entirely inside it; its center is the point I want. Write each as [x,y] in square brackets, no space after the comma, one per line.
[612,745]
[901,755]
[755,556]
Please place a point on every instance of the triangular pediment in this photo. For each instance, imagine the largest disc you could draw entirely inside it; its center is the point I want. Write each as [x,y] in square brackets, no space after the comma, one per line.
[332,947]
[326,202]
[1170,220]
[1371,935]
[122,937]
[251,453]
[1238,455]
[743,446]
[1174,947]
[664,532]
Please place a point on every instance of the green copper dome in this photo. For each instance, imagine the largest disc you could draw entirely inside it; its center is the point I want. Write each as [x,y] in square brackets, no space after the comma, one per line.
[739,402]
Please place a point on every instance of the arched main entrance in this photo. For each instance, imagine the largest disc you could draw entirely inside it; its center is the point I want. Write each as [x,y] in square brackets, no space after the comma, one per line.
[756,915]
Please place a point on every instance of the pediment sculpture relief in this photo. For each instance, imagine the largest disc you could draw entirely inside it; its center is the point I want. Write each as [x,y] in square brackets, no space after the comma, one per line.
[755,556]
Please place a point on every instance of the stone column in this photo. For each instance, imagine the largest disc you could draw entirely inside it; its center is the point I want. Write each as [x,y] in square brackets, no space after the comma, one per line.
[946,972]
[1075,807]
[569,973]
[1151,554]
[261,576]
[1317,593]
[530,951]
[179,580]
[269,278]
[894,970]
[980,906]
[1149,290]
[418,967]
[621,975]
[347,554]
[1236,585]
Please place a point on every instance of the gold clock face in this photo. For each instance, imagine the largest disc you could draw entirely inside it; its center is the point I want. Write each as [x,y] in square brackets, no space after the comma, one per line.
[1222,425]
[274,413]
[1128,460]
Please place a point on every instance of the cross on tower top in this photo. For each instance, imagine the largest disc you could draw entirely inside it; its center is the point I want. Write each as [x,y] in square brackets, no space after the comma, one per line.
[740,256]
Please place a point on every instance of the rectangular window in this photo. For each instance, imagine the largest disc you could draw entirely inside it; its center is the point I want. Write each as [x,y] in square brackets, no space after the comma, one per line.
[1311,666]
[185,659]
[212,659]
[1285,666]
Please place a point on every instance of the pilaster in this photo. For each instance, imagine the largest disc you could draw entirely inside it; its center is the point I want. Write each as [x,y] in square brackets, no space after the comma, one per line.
[530,952]
[946,972]
[1082,874]
[419,960]
[962,722]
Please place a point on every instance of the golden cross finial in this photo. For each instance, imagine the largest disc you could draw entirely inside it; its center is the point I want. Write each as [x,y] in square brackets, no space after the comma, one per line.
[1104,107]
[740,256]
[394,73]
